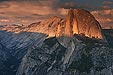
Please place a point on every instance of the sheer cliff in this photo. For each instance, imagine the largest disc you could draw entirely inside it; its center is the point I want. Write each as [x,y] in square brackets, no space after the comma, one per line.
[15,41]
[77,21]
[74,45]
[88,57]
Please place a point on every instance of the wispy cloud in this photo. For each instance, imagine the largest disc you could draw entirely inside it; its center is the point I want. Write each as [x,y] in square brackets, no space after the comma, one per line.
[28,11]
[107,2]
[105,17]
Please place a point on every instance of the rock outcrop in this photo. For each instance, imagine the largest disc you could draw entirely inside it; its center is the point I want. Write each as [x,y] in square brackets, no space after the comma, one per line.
[54,46]
[78,21]
[86,24]
[65,52]
[88,57]
[81,22]
[16,40]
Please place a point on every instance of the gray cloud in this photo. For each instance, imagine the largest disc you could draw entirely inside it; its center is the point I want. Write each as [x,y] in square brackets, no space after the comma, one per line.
[105,17]
[107,2]
[28,11]
[90,5]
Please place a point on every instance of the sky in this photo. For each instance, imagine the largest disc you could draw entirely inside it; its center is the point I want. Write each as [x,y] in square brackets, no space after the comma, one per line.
[29,11]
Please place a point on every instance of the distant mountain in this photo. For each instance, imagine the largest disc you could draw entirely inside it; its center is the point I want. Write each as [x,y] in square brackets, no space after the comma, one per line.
[75,45]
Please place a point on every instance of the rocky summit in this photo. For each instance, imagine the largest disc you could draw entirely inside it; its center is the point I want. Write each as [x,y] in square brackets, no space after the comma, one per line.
[75,45]
[81,22]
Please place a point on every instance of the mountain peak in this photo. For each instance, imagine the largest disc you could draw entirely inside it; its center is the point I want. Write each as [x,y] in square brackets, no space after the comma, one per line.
[79,21]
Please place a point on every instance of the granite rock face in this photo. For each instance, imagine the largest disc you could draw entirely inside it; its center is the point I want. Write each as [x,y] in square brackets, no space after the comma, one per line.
[83,57]
[56,46]
[80,21]
[15,41]
[75,47]
[77,21]
[86,24]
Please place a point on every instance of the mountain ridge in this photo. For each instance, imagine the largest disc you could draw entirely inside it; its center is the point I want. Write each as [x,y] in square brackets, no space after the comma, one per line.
[78,21]
[50,47]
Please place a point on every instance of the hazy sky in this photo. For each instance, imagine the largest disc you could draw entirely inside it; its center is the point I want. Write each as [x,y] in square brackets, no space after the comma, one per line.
[28,11]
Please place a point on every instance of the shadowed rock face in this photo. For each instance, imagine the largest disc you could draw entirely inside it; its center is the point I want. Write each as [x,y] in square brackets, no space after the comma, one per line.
[50,45]
[63,53]
[77,21]
[88,57]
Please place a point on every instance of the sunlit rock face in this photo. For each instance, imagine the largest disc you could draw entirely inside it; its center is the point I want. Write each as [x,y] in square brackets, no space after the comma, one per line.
[47,26]
[80,21]
[77,21]
[51,41]
[87,24]
[63,53]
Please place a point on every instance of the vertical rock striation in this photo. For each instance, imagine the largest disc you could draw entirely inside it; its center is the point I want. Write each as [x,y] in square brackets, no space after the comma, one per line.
[64,53]
[56,46]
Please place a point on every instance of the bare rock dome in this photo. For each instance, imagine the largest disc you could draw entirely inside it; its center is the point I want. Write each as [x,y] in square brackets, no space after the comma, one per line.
[79,21]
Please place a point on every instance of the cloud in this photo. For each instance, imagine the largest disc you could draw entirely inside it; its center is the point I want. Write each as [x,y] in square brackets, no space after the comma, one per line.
[90,5]
[28,11]
[39,7]
[105,17]
[107,2]
[105,7]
